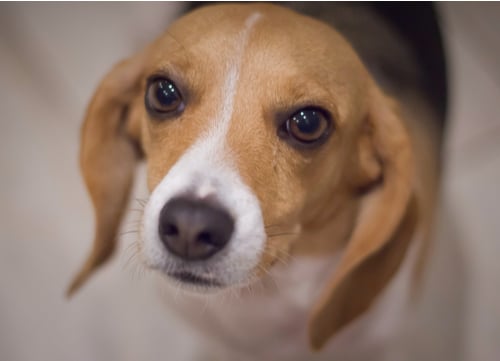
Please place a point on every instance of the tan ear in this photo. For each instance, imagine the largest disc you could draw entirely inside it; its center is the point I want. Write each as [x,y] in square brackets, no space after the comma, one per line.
[108,154]
[383,229]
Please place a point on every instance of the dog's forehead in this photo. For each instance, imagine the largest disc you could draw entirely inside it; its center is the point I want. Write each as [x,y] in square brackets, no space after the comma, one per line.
[273,36]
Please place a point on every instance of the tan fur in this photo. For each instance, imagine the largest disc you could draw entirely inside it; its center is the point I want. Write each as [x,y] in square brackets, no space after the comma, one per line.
[356,193]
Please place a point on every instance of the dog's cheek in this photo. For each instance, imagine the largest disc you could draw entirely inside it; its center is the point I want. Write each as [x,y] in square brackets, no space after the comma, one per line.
[279,203]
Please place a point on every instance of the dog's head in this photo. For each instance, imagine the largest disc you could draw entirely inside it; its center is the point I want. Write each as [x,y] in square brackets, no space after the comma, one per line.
[264,135]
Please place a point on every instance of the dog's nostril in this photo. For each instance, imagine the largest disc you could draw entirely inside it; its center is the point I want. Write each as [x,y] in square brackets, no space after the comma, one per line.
[194,229]
[205,237]
[169,230]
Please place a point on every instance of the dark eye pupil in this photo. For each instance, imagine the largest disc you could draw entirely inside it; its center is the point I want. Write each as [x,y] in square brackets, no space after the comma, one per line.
[163,99]
[307,121]
[166,93]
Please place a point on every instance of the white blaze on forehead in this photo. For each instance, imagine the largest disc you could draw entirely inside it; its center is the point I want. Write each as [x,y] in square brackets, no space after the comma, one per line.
[208,170]
[232,71]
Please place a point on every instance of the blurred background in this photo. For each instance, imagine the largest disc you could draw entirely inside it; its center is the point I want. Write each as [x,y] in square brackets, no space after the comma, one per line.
[52,57]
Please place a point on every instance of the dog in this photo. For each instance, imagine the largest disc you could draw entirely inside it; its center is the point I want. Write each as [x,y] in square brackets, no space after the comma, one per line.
[292,183]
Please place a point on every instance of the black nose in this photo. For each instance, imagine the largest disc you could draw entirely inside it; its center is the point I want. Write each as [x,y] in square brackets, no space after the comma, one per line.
[193,229]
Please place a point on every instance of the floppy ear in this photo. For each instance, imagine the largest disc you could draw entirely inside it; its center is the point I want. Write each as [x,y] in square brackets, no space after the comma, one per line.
[385,224]
[110,149]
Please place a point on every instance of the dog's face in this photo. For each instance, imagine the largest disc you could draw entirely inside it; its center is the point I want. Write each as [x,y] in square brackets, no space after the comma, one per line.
[246,121]
[263,135]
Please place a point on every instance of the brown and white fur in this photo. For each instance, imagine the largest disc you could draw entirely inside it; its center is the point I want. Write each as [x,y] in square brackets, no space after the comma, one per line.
[328,241]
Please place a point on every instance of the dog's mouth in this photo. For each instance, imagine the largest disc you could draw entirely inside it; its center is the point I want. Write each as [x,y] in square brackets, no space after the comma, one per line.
[192,279]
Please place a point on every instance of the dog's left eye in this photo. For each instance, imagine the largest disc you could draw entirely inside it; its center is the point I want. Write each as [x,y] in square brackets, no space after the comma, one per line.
[163,97]
[307,126]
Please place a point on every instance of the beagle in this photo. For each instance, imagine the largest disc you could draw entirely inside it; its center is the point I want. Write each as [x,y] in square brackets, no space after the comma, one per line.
[291,195]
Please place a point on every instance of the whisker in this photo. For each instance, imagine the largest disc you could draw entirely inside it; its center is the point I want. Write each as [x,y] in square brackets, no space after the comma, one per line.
[249,289]
[133,247]
[137,268]
[205,305]
[282,234]
[271,277]
[134,225]
[273,226]
[141,202]
[279,254]
[284,260]
[235,294]
[133,231]
[177,291]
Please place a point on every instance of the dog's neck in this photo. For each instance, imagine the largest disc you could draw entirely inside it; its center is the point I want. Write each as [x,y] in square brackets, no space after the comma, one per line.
[270,316]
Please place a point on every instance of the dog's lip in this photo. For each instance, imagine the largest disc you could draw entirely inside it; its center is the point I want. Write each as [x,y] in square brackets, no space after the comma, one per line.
[194,279]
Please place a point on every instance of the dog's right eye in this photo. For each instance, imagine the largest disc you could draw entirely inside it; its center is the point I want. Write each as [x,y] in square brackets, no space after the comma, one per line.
[163,98]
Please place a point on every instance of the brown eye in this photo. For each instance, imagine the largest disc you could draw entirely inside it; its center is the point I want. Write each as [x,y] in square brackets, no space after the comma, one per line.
[308,126]
[163,97]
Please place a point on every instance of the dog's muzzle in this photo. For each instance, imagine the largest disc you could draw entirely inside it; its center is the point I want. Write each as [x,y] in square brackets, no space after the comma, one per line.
[202,225]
